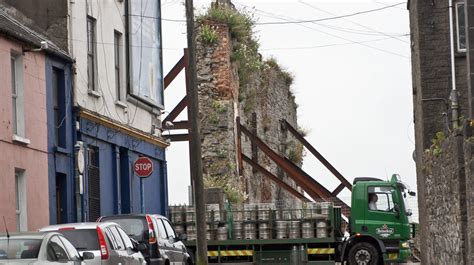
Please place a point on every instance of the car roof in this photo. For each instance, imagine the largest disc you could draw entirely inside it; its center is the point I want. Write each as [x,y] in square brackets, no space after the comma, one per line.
[134,215]
[25,235]
[88,225]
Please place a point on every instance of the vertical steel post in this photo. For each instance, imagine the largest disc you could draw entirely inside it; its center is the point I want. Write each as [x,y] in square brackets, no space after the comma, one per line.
[195,141]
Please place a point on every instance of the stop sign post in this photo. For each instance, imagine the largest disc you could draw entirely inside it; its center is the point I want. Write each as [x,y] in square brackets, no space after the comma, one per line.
[143,167]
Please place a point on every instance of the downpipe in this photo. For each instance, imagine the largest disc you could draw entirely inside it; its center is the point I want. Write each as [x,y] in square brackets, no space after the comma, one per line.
[453,97]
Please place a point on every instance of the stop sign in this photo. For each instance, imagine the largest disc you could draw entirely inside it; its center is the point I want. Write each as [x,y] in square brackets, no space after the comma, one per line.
[143,167]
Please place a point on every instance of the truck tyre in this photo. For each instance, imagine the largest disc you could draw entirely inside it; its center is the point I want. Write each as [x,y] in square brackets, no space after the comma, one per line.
[363,253]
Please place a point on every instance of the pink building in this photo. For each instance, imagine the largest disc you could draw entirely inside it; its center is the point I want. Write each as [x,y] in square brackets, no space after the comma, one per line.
[23,129]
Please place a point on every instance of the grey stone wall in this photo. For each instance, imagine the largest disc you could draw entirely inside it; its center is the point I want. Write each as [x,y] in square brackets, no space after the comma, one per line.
[443,204]
[222,98]
[431,77]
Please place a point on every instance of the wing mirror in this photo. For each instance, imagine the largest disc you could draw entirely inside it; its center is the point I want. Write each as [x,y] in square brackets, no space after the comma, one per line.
[87,255]
[396,208]
[181,237]
[141,247]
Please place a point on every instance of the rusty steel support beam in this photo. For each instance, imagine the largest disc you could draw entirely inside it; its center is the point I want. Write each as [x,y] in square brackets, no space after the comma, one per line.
[239,148]
[338,189]
[320,157]
[173,73]
[268,174]
[177,110]
[177,125]
[312,187]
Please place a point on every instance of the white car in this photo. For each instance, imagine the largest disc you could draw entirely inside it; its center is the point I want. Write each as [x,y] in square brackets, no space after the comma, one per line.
[39,249]
[107,241]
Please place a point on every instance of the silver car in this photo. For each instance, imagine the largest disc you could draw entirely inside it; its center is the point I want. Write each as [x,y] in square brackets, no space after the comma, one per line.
[39,249]
[107,241]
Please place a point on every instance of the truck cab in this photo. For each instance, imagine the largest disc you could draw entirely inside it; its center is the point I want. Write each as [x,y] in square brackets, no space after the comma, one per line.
[379,225]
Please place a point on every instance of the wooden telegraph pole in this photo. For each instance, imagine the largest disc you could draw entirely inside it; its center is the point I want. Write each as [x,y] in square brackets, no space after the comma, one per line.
[195,141]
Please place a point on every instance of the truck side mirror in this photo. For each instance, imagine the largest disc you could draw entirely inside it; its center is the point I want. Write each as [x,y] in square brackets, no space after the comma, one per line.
[396,208]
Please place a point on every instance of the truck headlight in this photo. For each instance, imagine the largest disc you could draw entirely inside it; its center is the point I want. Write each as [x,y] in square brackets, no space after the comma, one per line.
[405,245]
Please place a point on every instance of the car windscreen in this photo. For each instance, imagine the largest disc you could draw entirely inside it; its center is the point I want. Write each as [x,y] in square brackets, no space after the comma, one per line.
[19,248]
[134,227]
[82,239]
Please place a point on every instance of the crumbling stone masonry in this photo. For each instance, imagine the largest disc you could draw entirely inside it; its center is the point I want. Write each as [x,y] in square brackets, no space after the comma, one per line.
[265,95]
[448,181]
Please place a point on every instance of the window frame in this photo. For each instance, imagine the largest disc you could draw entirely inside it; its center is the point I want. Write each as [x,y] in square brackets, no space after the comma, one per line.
[21,201]
[118,65]
[91,30]
[390,200]
[458,44]
[17,94]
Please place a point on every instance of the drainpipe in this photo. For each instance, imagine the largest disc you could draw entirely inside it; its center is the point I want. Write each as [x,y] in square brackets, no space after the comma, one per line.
[454,95]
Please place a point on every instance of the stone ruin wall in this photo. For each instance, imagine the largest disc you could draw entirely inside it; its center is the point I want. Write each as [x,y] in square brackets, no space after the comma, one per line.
[222,99]
[449,200]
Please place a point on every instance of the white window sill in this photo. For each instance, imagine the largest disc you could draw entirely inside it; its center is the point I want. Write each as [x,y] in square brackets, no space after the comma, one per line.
[121,104]
[20,139]
[94,93]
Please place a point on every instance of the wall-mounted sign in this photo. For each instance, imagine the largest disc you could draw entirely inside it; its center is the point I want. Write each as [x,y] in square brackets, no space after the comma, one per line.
[143,167]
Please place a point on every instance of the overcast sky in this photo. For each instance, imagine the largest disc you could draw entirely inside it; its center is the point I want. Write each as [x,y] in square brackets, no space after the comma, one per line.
[352,84]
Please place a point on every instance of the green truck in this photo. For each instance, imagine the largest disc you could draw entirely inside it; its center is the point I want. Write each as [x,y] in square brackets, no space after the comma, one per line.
[378,231]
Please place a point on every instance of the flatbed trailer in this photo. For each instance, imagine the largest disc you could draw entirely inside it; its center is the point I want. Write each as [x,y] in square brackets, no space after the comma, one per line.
[374,236]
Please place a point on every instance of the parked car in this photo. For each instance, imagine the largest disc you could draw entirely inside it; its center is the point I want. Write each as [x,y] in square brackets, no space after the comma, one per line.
[163,245]
[106,241]
[38,249]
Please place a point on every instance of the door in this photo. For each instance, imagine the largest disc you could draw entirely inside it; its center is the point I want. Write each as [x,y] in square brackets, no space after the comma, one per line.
[61,199]
[176,246]
[93,187]
[382,219]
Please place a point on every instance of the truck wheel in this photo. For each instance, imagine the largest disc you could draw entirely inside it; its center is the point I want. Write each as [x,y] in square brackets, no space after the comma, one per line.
[363,254]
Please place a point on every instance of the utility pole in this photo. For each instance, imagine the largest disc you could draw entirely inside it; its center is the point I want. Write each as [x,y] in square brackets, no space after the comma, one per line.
[195,158]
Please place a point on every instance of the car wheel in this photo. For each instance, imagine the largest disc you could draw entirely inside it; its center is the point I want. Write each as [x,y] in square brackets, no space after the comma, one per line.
[363,254]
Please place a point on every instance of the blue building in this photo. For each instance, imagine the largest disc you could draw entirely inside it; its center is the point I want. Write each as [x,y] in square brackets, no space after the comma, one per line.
[110,183]
[61,123]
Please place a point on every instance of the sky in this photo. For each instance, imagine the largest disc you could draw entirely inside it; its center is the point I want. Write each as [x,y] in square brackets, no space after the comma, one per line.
[352,81]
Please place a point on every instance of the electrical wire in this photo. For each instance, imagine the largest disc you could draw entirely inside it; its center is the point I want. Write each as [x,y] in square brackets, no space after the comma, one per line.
[282,17]
[353,22]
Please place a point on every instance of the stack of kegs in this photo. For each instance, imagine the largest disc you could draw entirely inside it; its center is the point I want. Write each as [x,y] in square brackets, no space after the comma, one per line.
[294,229]
[237,230]
[222,233]
[250,231]
[281,228]
[307,229]
[191,232]
[321,229]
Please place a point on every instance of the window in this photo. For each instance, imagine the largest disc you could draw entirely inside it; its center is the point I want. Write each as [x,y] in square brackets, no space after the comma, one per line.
[460,27]
[56,250]
[169,229]
[380,199]
[91,54]
[118,64]
[18,117]
[117,237]
[72,251]
[59,107]
[145,58]
[126,239]
[20,201]
[161,230]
